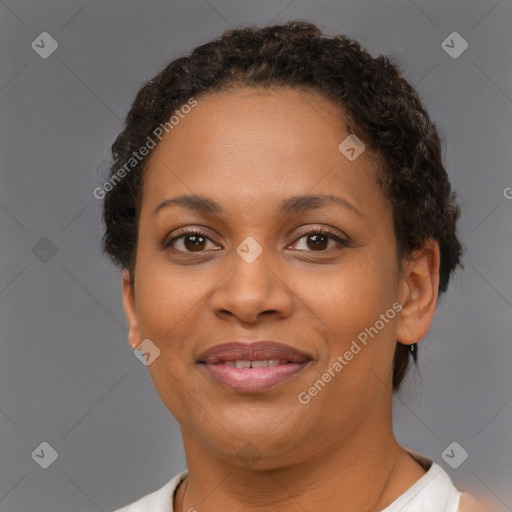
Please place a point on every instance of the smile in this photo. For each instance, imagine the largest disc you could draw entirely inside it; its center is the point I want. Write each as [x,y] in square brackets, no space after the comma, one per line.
[246,376]
[251,367]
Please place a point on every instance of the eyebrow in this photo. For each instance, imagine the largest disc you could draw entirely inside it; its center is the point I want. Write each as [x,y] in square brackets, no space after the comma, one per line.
[289,206]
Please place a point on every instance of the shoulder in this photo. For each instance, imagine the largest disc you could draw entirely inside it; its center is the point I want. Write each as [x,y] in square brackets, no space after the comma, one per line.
[470,503]
[159,500]
[438,482]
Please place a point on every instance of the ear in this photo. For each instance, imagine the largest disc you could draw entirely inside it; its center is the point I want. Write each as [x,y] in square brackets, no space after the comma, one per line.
[418,293]
[134,337]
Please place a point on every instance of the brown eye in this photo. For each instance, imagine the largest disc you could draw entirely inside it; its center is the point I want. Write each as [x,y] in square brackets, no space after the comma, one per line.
[189,241]
[194,242]
[318,241]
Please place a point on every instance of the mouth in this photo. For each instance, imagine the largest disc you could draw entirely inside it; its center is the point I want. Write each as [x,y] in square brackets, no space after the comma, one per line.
[253,367]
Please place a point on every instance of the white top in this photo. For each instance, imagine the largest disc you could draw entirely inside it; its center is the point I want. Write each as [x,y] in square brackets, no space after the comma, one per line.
[433,492]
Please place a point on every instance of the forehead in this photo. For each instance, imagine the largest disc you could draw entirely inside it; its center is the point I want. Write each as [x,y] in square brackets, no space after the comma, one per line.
[259,144]
[280,120]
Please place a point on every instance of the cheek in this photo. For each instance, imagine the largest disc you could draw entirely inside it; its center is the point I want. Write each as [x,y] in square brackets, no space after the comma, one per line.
[357,305]
[346,297]
[352,297]
[166,293]
[169,303]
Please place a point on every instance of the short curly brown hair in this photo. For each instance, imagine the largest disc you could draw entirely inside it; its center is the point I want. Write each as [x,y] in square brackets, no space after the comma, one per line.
[379,106]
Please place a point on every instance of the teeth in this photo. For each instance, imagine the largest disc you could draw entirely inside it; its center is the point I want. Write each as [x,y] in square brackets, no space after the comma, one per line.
[260,364]
[242,363]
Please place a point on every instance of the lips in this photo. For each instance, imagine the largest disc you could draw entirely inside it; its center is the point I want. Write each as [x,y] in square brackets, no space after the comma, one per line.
[253,366]
[253,351]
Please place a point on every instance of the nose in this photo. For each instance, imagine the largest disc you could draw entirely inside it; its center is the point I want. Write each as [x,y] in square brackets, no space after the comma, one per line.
[251,291]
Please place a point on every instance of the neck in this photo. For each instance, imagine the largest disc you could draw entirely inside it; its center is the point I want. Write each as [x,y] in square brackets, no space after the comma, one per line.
[368,472]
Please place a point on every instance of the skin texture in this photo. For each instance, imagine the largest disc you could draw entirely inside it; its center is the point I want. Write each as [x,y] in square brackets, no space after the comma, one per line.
[471,503]
[248,150]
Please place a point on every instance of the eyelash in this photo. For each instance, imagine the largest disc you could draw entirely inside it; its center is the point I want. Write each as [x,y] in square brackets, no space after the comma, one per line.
[318,231]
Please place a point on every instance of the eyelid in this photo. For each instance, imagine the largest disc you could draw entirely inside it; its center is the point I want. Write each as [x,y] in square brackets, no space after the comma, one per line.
[342,239]
[332,232]
[186,230]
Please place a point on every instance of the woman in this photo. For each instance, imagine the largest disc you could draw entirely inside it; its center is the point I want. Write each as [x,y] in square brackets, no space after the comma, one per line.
[284,223]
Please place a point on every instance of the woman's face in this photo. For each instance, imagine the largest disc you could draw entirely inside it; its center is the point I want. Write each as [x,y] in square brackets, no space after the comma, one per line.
[258,272]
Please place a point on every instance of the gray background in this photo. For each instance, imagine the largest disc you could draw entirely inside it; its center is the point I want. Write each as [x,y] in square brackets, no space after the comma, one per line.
[67,374]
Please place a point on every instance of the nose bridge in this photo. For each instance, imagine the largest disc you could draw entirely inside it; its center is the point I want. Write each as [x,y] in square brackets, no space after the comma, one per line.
[251,268]
[253,285]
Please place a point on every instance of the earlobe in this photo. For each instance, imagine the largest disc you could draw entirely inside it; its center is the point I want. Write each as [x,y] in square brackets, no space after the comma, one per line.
[128,295]
[419,293]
